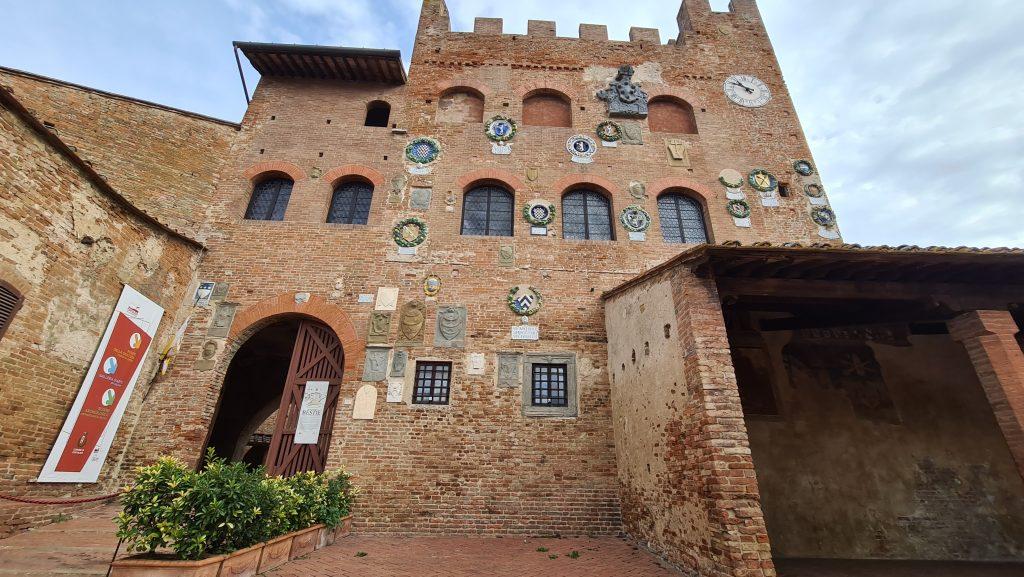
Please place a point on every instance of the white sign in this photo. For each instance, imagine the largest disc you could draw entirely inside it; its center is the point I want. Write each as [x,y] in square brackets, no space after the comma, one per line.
[311,413]
[526,333]
[407,250]
[84,441]
[366,298]
[637,236]
[539,230]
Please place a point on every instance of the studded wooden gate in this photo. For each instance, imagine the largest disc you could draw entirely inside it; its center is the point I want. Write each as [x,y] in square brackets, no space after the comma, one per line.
[317,356]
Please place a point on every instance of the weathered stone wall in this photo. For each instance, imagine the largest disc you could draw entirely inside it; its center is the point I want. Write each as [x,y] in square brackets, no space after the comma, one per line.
[908,465]
[67,246]
[684,468]
[165,161]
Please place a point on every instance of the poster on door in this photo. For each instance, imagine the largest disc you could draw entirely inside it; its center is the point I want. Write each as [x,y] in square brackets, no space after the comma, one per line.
[311,413]
[84,440]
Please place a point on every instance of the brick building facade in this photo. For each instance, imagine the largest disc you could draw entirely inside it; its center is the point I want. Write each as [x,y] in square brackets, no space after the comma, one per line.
[637,405]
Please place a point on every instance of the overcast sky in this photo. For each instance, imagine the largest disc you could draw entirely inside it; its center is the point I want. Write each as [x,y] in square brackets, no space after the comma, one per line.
[913,107]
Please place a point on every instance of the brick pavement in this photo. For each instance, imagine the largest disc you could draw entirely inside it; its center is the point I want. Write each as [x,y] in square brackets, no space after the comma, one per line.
[81,546]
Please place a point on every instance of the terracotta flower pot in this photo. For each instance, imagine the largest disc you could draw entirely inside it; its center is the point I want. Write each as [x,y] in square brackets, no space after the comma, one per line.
[155,565]
[305,541]
[242,563]
[322,536]
[275,552]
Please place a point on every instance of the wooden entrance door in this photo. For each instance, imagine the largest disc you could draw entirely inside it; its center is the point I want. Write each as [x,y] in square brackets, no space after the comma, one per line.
[317,356]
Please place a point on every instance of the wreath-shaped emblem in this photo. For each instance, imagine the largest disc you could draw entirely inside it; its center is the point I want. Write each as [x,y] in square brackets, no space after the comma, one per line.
[539,212]
[824,216]
[500,128]
[524,300]
[803,167]
[422,150]
[814,191]
[581,147]
[609,131]
[763,180]
[738,208]
[635,219]
[409,232]
[731,178]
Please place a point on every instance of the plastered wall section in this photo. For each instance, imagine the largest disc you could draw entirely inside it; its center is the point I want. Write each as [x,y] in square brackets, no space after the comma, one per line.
[937,482]
[67,247]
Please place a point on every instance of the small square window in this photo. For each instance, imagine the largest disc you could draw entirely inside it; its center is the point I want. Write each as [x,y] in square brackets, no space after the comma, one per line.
[548,385]
[433,382]
[552,385]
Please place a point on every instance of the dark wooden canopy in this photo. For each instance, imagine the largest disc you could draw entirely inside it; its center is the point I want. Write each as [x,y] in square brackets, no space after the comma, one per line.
[325,62]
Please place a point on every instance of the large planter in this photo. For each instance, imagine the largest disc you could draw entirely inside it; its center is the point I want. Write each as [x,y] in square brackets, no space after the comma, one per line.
[276,551]
[340,530]
[155,565]
[304,541]
[243,563]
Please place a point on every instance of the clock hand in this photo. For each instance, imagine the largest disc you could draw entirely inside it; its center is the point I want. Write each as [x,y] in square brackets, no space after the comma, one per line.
[744,87]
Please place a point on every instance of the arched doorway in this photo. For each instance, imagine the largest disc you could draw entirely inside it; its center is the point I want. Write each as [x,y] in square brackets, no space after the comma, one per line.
[263,393]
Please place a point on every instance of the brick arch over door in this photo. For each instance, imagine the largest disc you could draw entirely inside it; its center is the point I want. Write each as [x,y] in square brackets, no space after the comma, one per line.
[253,173]
[337,173]
[255,316]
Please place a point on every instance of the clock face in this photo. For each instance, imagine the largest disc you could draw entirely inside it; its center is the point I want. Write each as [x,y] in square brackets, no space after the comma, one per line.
[747,91]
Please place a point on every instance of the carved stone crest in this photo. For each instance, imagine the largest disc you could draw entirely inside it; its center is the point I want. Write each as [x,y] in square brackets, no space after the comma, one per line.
[375,366]
[222,319]
[451,327]
[632,133]
[624,98]
[410,324]
[380,326]
[678,152]
[637,190]
[506,256]
[398,362]
[508,370]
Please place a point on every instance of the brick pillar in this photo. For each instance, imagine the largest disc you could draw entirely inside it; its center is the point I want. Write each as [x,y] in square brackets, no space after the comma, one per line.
[715,437]
[990,338]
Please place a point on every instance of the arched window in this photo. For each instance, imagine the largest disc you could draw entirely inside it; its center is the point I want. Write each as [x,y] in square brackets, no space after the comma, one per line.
[350,203]
[667,114]
[378,113]
[487,211]
[547,108]
[269,199]
[460,105]
[681,218]
[10,301]
[586,215]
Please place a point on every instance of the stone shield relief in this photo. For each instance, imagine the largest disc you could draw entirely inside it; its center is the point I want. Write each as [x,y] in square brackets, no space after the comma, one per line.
[450,331]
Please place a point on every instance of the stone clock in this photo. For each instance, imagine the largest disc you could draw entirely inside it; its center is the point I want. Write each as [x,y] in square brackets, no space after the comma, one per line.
[747,91]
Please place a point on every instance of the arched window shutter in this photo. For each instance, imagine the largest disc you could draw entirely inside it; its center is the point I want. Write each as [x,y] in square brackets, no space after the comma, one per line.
[487,211]
[681,219]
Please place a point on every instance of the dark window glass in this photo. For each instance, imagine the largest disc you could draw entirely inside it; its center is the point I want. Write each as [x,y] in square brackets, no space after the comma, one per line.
[586,215]
[269,199]
[432,383]
[487,211]
[10,302]
[682,219]
[549,388]
[377,114]
[351,203]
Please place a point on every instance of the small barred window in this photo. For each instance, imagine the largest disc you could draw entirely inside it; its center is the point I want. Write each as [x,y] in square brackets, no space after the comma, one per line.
[10,301]
[433,382]
[549,386]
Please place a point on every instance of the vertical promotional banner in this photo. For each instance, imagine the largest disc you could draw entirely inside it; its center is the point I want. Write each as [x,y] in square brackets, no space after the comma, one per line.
[311,413]
[84,440]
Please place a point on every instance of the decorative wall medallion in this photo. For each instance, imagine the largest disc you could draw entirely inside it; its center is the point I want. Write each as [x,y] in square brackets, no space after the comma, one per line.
[539,212]
[762,180]
[410,324]
[409,232]
[223,316]
[220,292]
[506,256]
[203,294]
[738,208]
[398,362]
[422,150]
[624,98]
[678,152]
[582,148]
[206,360]
[449,201]
[380,326]
[609,133]
[500,129]
[395,389]
[632,133]
[375,364]
[397,187]
[532,173]
[387,299]
[747,91]
[431,286]
[803,168]
[824,216]
[637,190]
[301,298]
[731,178]
[508,370]
[524,300]
[635,219]
[419,198]
[451,327]
[815,194]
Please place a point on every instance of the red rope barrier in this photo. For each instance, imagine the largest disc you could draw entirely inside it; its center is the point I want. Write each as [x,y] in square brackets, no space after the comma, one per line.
[58,501]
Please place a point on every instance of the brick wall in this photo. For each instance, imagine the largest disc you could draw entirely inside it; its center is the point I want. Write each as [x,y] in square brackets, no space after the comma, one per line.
[67,246]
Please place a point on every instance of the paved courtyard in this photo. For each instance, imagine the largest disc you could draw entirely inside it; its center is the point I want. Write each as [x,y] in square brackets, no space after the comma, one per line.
[84,545]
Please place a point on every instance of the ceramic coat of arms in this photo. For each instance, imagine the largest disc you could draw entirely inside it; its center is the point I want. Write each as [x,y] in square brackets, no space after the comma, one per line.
[524,300]
[624,98]
[635,219]
[539,212]
[422,150]
[582,148]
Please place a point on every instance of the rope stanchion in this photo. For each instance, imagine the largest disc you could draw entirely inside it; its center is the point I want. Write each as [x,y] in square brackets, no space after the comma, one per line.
[29,501]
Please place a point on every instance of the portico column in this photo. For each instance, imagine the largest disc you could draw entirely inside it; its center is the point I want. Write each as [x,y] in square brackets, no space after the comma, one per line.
[990,340]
